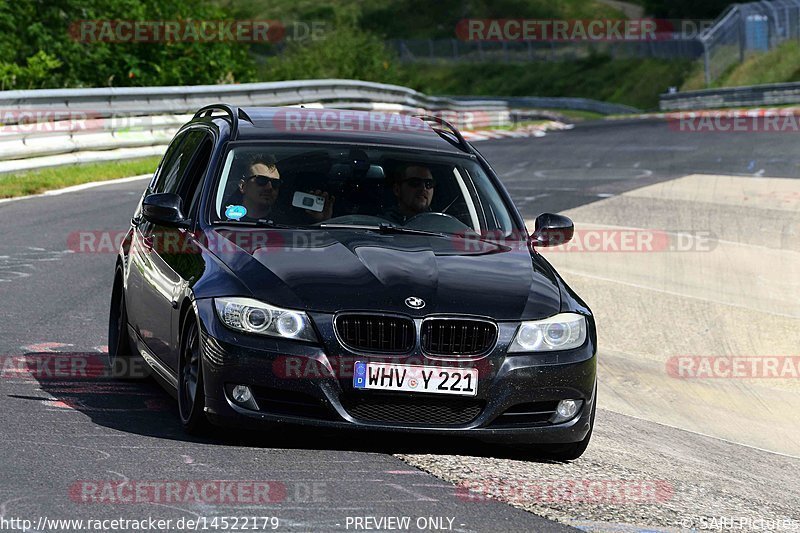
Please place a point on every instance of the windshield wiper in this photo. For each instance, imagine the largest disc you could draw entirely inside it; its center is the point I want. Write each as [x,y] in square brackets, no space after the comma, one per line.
[260,223]
[394,228]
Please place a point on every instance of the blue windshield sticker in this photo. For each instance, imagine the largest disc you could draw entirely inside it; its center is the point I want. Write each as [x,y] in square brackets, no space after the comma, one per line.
[235,212]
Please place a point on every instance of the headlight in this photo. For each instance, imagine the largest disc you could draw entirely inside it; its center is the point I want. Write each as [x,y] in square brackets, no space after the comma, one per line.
[560,332]
[252,316]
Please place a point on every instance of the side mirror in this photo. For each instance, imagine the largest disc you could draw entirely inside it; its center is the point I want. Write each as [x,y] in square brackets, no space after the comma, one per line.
[552,230]
[164,209]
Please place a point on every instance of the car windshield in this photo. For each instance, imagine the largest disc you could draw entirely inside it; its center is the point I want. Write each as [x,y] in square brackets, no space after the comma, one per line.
[333,186]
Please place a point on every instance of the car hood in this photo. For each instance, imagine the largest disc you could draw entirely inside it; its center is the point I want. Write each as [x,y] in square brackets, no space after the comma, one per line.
[335,270]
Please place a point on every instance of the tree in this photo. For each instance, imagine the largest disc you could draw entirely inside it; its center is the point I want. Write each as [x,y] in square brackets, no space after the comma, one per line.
[39,46]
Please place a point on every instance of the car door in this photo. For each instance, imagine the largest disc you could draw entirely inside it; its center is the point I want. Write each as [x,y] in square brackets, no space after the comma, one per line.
[155,283]
[180,262]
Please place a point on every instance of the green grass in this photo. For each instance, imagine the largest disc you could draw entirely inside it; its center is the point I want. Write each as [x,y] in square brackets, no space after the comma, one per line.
[576,115]
[780,65]
[38,181]
[521,124]
[635,82]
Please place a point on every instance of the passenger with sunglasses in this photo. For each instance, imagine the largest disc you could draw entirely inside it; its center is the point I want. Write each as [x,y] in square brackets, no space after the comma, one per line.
[413,188]
[260,187]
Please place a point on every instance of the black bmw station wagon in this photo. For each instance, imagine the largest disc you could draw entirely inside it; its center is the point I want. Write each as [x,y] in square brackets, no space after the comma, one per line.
[348,269]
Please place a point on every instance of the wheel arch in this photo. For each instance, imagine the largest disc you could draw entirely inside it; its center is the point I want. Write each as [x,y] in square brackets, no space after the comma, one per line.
[187,307]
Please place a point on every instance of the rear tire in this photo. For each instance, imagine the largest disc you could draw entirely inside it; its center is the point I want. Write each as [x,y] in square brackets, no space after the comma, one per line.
[123,360]
[191,393]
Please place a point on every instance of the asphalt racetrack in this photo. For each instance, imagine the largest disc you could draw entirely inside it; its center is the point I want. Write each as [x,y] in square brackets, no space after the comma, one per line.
[674,448]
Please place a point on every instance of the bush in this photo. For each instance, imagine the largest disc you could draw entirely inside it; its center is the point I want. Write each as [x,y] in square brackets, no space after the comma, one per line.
[345,52]
[37,50]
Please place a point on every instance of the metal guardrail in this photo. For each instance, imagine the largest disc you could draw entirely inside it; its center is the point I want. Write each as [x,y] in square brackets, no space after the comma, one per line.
[62,126]
[49,127]
[165,100]
[750,96]
[573,104]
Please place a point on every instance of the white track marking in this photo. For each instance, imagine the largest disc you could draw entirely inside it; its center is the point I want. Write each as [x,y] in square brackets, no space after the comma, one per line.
[76,188]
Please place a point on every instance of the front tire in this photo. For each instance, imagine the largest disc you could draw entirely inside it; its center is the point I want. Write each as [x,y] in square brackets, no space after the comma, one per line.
[573,450]
[559,452]
[191,393]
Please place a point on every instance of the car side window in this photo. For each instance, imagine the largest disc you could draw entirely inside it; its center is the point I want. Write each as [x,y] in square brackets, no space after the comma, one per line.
[167,162]
[193,177]
[175,168]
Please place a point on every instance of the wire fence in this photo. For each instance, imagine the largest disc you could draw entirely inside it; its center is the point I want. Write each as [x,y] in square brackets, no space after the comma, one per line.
[746,29]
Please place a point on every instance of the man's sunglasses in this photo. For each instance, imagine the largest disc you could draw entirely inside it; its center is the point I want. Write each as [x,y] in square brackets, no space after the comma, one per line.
[416,183]
[263,180]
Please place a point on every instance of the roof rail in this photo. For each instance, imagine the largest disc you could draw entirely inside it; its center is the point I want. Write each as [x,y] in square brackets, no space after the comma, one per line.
[448,129]
[233,112]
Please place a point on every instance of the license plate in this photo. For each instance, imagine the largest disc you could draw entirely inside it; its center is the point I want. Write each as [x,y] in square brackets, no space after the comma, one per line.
[412,378]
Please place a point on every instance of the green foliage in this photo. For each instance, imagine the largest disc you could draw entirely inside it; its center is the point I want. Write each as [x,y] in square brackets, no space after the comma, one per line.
[635,82]
[35,74]
[345,52]
[685,9]
[38,50]
[408,19]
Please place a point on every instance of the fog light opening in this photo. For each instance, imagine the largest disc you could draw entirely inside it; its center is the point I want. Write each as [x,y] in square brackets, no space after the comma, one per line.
[566,410]
[241,394]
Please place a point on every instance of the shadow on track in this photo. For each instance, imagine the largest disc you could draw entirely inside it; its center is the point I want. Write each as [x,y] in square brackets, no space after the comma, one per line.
[142,407]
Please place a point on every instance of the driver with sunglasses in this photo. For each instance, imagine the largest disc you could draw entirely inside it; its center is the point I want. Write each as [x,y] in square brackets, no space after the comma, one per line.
[413,188]
[259,189]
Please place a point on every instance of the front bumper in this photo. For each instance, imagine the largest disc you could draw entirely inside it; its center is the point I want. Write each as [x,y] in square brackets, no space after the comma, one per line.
[308,385]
